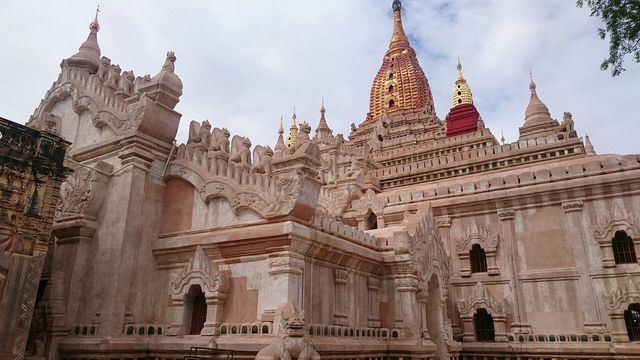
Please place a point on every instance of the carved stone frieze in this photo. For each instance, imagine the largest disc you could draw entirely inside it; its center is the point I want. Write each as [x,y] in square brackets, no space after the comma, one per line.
[571,206]
[268,199]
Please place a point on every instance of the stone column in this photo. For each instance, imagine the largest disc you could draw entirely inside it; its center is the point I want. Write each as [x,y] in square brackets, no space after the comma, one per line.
[423,298]
[407,317]
[340,279]
[373,313]
[286,270]
[520,324]
[586,294]
[215,307]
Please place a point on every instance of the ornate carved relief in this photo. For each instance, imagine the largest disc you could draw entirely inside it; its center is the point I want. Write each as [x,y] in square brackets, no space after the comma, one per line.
[481,298]
[214,284]
[480,235]
[617,219]
[83,192]
[370,201]
[620,298]
[484,237]
[268,198]
[428,253]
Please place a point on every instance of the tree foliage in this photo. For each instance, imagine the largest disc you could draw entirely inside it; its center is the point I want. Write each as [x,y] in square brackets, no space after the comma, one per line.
[622,24]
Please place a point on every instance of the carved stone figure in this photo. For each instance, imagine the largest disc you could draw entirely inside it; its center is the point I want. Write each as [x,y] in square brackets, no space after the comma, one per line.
[262,160]
[169,63]
[114,77]
[291,341]
[303,138]
[126,83]
[104,69]
[240,150]
[198,142]
[220,140]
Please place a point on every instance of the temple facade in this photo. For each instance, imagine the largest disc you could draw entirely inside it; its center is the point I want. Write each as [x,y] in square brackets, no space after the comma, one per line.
[409,237]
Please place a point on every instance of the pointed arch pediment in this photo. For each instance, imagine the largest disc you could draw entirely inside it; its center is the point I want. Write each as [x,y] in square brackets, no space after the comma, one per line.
[618,218]
[622,296]
[480,235]
[481,298]
[199,271]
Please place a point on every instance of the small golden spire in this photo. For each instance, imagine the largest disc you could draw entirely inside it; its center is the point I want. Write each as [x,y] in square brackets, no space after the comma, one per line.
[461,93]
[293,130]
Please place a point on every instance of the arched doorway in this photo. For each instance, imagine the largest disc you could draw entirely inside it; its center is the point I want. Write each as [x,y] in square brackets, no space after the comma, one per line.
[435,325]
[483,326]
[196,310]
[632,321]
[372,221]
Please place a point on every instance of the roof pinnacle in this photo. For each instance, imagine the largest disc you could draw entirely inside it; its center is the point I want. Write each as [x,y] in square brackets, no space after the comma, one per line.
[399,40]
[88,56]
[95,24]
[462,91]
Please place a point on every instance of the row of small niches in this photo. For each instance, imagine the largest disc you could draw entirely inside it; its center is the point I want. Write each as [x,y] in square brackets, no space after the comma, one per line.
[149,330]
[560,338]
[321,330]
[85,330]
[246,329]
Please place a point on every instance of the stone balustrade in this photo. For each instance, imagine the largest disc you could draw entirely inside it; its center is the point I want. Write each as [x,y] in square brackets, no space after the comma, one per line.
[334,227]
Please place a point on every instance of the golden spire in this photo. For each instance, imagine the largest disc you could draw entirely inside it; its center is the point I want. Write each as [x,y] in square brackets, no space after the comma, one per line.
[399,41]
[461,92]
[293,130]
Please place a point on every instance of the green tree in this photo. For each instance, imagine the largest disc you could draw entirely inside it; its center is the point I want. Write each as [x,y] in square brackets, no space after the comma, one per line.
[622,24]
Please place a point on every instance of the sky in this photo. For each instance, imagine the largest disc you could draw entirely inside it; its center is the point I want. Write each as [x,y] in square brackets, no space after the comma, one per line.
[246,63]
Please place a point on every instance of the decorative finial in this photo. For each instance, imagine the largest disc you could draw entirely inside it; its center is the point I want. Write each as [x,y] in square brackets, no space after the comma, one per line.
[459,67]
[397,5]
[532,84]
[94,24]
[502,139]
[322,109]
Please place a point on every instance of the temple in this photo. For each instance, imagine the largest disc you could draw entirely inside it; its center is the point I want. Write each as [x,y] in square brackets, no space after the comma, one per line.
[409,237]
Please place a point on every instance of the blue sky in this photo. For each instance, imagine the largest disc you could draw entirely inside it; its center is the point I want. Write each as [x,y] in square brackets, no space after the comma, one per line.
[245,63]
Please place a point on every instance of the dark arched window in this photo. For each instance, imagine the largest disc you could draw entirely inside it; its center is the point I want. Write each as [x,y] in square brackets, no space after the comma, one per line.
[478,259]
[483,325]
[372,222]
[632,320]
[198,309]
[623,250]
[392,103]
[390,88]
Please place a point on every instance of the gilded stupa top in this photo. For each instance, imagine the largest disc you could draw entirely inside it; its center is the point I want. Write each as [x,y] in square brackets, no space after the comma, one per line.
[400,83]
[293,131]
[461,92]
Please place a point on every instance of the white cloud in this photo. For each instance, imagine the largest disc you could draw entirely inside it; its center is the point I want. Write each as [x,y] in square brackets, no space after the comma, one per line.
[245,63]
